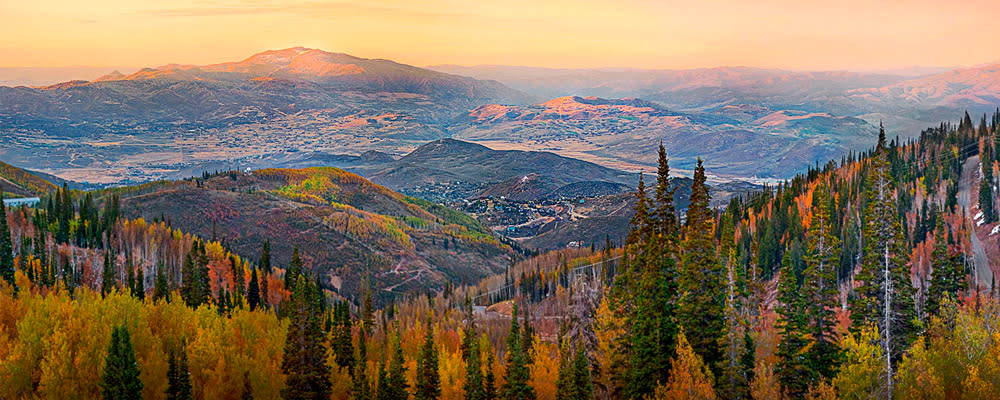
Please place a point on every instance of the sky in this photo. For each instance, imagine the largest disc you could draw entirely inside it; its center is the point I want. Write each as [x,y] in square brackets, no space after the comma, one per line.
[664,34]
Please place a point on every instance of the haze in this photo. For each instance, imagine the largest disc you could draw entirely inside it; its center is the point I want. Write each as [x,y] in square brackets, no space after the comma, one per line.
[790,34]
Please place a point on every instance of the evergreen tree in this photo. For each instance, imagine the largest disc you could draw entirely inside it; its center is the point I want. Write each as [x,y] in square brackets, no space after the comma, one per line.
[383,384]
[701,307]
[947,271]
[6,246]
[139,290]
[253,293]
[161,289]
[341,342]
[189,287]
[574,381]
[489,380]
[820,288]
[793,367]
[120,379]
[470,353]
[396,386]
[885,296]
[428,385]
[265,257]
[518,374]
[294,268]
[178,377]
[129,275]
[108,275]
[732,382]
[652,323]
[986,192]
[304,362]
[473,373]
[360,389]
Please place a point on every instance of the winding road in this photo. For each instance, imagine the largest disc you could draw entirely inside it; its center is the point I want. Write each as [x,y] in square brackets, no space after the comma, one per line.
[979,260]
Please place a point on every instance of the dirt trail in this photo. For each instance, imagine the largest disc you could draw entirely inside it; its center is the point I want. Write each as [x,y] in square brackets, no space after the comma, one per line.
[979,260]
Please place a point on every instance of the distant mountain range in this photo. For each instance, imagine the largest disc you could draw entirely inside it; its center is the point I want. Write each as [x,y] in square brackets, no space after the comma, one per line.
[179,120]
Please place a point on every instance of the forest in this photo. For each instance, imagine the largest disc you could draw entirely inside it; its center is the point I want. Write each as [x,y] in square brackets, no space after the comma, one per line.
[854,280]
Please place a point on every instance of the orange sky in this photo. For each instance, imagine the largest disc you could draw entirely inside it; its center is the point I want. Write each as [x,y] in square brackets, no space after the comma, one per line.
[802,34]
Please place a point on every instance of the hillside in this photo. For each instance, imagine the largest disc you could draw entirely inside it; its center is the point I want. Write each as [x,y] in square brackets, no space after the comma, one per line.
[21,183]
[474,167]
[345,227]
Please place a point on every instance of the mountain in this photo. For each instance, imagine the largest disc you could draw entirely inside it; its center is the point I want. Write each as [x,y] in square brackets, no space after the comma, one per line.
[345,226]
[686,89]
[974,88]
[904,102]
[152,123]
[735,140]
[470,168]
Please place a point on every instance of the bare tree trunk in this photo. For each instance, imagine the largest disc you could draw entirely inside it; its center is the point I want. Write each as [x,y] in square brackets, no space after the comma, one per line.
[888,324]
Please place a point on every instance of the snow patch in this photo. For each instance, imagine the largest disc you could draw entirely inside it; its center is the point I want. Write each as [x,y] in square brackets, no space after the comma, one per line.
[978,216]
[995,230]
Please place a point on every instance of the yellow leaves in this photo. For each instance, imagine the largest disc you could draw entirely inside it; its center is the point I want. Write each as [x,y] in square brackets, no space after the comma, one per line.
[863,373]
[690,378]
[545,369]
[609,327]
[917,378]
[60,343]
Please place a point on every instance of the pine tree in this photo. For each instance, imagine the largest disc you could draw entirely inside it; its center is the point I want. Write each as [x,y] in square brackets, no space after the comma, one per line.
[489,380]
[885,296]
[178,377]
[473,373]
[294,268]
[986,192]
[253,293]
[129,275]
[189,287]
[265,257]
[470,354]
[383,384]
[120,379]
[6,246]
[108,275]
[304,363]
[793,364]
[428,385]
[161,290]
[652,322]
[947,272]
[820,288]
[574,381]
[732,382]
[396,386]
[518,374]
[139,290]
[360,388]
[341,342]
[701,306]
